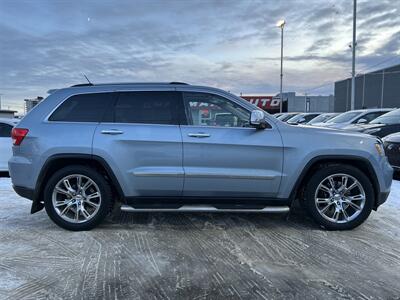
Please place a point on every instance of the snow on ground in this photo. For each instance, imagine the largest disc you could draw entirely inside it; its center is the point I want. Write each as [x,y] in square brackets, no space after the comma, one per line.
[193,255]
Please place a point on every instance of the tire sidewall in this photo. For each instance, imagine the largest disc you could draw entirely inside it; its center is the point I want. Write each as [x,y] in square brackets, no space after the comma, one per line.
[320,175]
[103,186]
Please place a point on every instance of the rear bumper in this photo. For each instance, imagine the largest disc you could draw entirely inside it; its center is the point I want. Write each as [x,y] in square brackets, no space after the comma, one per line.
[29,194]
[24,192]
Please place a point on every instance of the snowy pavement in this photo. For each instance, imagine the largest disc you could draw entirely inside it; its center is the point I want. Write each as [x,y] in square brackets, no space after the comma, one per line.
[202,256]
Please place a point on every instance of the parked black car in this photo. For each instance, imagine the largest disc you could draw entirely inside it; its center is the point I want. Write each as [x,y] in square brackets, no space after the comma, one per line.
[382,126]
[392,150]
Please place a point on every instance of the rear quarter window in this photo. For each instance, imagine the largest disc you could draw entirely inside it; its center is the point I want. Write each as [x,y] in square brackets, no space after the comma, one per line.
[83,108]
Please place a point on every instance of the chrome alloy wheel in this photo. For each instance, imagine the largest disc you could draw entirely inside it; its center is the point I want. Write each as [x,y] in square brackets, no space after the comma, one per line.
[76,198]
[340,198]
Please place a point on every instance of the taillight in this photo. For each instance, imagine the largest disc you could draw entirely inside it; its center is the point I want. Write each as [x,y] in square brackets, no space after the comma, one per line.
[18,135]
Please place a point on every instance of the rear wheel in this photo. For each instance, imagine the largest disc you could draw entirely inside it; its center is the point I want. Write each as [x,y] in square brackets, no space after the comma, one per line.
[339,197]
[77,198]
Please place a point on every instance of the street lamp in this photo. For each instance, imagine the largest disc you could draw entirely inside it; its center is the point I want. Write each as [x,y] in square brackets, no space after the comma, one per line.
[353,60]
[281,24]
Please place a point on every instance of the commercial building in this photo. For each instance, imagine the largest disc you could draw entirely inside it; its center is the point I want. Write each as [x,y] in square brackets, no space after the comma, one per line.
[31,103]
[293,102]
[5,113]
[376,89]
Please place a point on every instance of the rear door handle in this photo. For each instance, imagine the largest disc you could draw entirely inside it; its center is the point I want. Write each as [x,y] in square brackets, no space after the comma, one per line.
[112,131]
[199,135]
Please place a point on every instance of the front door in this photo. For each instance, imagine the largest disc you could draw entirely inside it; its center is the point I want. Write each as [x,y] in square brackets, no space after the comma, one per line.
[222,155]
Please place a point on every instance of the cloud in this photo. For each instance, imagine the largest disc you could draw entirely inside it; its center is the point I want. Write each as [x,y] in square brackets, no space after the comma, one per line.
[229,44]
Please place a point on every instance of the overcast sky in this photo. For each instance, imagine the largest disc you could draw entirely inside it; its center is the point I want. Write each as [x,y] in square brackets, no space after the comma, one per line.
[229,44]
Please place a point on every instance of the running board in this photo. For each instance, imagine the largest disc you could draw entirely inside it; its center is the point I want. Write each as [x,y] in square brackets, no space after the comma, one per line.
[207,208]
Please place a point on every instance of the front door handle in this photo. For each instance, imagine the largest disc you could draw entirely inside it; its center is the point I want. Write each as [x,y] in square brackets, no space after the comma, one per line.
[112,131]
[199,135]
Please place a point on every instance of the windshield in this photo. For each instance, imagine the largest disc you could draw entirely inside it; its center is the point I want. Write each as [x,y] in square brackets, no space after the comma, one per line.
[392,117]
[286,117]
[344,117]
[296,118]
[321,119]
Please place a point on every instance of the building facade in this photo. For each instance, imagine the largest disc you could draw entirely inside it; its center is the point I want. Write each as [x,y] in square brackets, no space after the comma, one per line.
[6,113]
[376,89]
[31,103]
[292,103]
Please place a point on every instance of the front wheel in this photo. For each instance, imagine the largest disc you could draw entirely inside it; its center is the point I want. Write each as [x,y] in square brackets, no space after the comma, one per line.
[77,198]
[339,197]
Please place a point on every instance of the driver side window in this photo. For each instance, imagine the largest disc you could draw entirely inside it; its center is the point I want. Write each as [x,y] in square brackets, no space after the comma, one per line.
[205,109]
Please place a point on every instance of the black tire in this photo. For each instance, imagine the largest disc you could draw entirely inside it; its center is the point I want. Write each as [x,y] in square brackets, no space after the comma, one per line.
[322,173]
[104,189]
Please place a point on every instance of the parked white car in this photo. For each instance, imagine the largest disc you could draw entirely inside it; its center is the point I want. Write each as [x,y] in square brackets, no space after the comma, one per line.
[360,116]
[6,126]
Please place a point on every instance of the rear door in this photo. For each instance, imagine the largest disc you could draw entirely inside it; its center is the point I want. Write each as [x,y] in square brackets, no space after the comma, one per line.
[141,140]
[5,145]
[222,155]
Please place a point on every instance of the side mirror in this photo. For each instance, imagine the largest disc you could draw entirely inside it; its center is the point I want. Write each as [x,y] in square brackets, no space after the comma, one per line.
[362,121]
[257,119]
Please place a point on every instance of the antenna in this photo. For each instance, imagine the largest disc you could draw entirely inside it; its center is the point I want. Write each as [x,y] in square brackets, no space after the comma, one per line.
[87,79]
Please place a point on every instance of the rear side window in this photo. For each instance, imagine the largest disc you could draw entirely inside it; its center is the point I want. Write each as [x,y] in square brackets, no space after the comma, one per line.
[83,108]
[149,108]
[5,130]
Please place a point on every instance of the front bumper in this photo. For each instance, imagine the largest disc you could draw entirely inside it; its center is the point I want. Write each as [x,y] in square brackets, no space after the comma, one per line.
[382,197]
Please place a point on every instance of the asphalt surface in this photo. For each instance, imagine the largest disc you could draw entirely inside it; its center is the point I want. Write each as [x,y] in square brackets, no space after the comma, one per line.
[197,256]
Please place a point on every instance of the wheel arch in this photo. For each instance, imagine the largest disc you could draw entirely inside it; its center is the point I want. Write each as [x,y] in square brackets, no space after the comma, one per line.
[359,162]
[59,161]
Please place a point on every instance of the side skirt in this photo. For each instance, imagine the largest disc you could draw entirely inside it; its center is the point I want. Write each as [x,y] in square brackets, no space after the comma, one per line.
[152,203]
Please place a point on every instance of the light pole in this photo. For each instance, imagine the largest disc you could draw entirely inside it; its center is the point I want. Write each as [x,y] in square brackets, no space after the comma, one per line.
[281,24]
[353,67]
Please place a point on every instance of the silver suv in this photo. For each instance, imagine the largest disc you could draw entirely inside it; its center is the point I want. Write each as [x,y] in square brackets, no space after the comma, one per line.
[177,147]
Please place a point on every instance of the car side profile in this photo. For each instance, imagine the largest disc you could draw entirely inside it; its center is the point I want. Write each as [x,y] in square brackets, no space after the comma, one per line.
[382,126]
[322,118]
[392,149]
[6,125]
[175,147]
[360,116]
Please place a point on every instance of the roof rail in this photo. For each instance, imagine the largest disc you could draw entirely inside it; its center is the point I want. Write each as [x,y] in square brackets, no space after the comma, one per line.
[82,84]
[177,82]
[130,83]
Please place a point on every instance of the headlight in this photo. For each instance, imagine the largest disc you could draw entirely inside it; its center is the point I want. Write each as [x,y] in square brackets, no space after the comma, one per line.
[379,149]
[373,130]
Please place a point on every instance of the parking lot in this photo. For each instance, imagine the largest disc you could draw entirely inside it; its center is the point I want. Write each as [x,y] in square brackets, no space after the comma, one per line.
[197,256]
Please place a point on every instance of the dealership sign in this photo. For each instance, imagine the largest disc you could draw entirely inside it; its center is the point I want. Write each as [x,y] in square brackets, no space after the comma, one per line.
[269,103]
